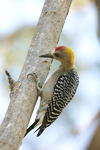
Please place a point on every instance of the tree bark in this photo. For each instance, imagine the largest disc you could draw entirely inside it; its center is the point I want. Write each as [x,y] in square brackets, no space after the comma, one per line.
[23,95]
[95,142]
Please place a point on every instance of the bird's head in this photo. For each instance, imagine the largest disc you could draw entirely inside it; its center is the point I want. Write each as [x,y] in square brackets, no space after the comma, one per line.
[63,54]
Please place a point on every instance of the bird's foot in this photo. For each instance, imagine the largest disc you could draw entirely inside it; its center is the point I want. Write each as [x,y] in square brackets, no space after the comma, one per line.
[39,88]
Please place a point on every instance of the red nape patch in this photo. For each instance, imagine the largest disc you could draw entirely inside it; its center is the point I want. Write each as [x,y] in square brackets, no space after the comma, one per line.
[60,48]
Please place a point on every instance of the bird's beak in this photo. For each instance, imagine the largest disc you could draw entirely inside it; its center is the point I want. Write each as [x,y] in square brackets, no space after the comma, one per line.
[49,55]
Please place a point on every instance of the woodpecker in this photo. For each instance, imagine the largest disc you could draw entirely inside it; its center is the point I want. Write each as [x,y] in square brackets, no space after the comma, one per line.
[58,91]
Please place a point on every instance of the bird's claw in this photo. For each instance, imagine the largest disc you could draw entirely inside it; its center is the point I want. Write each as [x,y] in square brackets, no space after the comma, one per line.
[34,75]
[39,88]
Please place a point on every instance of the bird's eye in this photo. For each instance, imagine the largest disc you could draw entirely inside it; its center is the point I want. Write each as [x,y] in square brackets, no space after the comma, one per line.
[56,54]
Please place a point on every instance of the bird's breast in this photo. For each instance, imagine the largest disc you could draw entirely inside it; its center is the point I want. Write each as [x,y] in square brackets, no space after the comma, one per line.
[48,88]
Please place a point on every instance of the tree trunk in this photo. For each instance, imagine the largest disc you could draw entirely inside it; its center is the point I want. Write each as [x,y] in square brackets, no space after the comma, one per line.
[23,95]
[95,142]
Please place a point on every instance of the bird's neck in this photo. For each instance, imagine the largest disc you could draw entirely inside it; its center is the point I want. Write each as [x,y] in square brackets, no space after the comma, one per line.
[67,66]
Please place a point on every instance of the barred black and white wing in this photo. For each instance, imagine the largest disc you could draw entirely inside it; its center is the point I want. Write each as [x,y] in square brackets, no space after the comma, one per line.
[64,91]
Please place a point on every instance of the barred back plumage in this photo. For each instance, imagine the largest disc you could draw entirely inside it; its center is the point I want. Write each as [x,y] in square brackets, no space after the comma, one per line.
[64,91]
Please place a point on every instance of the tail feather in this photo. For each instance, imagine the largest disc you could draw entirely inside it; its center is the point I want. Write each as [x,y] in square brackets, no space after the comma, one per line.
[41,130]
[37,129]
[31,127]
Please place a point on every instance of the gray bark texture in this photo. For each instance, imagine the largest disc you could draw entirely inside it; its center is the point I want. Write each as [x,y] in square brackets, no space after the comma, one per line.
[23,95]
